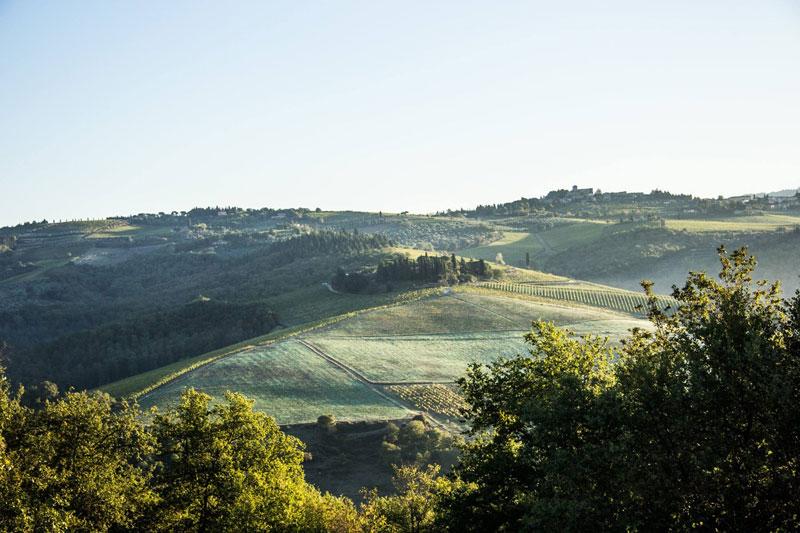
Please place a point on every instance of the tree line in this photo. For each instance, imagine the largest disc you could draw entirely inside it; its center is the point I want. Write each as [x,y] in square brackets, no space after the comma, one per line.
[432,269]
[424,269]
[90,358]
[327,242]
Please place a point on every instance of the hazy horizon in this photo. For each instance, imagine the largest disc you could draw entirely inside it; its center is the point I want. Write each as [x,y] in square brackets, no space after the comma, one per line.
[114,109]
[356,209]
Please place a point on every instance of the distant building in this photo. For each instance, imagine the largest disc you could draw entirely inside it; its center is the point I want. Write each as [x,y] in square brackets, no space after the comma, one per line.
[746,198]
[581,193]
[565,196]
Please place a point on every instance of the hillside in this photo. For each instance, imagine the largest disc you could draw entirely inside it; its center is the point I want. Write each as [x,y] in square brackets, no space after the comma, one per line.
[624,253]
[70,287]
[391,361]
[104,294]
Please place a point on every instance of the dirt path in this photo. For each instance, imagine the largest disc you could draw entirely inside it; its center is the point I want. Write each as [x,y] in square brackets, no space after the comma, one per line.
[328,286]
[485,309]
[358,375]
[546,245]
[376,385]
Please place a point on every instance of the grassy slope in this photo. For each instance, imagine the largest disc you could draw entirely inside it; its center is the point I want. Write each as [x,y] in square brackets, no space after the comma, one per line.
[751,223]
[441,358]
[567,236]
[289,382]
[434,339]
[140,384]
[515,244]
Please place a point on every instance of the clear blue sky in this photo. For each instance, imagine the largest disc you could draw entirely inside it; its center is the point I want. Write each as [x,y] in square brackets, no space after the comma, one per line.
[114,107]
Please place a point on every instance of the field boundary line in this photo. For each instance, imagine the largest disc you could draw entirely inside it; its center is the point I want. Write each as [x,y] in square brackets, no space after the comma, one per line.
[482,308]
[376,386]
[422,336]
[357,374]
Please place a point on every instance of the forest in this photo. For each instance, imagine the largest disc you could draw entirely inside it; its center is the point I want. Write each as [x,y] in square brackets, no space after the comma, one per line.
[87,359]
[425,269]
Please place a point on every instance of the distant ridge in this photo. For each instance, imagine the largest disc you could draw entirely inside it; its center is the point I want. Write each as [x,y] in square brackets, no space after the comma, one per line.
[784,192]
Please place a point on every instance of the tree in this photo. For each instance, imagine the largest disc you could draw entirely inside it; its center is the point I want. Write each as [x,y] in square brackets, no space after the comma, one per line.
[12,505]
[414,508]
[694,425]
[226,467]
[82,462]
[710,401]
[76,464]
[415,443]
[327,423]
[527,259]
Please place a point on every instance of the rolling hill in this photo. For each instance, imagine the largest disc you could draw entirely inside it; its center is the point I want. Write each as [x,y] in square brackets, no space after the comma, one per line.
[386,362]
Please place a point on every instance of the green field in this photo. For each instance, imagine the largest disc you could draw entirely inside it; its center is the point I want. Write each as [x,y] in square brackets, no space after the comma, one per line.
[567,236]
[286,380]
[439,358]
[514,245]
[751,223]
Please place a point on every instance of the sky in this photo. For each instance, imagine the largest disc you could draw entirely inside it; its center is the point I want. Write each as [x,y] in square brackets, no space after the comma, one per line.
[113,108]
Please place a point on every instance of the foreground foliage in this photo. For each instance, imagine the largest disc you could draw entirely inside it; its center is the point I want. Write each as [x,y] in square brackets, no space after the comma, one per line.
[694,426]
[82,462]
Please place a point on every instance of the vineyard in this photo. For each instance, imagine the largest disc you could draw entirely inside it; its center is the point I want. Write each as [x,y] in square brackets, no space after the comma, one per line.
[619,300]
[437,398]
